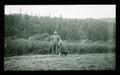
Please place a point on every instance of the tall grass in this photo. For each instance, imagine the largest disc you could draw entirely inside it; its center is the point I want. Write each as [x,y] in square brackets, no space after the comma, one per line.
[24,46]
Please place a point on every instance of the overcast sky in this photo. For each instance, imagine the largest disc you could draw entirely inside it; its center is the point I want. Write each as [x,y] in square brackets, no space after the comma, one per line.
[67,11]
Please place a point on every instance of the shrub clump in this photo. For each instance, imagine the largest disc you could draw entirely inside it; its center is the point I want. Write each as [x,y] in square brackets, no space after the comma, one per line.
[24,46]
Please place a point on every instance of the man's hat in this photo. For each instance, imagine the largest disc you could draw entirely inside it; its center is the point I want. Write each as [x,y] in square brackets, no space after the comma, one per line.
[55,32]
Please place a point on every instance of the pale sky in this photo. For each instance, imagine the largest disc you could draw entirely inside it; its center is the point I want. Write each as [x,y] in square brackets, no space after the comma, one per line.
[67,11]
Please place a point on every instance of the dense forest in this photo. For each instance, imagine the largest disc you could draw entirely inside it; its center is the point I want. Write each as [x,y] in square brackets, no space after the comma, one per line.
[25,26]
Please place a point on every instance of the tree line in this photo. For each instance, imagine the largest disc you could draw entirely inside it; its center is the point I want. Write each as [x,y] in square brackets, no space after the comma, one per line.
[25,26]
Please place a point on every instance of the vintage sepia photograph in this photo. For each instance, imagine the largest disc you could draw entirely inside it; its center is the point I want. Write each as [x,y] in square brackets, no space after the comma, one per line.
[59,37]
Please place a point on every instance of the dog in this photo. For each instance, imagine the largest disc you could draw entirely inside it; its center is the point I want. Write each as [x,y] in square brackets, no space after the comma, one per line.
[63,53]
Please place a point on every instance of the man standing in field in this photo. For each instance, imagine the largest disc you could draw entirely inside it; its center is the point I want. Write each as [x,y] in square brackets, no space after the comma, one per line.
[56,41]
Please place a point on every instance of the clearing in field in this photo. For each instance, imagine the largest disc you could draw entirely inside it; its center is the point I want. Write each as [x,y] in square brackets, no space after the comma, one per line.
[55,62]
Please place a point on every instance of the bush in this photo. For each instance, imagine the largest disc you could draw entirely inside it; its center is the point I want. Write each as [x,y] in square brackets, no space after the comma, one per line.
[23,47]
[81,48]
[39,37]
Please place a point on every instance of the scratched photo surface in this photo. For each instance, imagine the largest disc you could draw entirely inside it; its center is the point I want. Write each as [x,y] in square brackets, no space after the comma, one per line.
[59,37]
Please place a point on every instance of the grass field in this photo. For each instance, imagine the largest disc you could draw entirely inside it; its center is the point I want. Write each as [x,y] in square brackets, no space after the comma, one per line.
[104,61]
